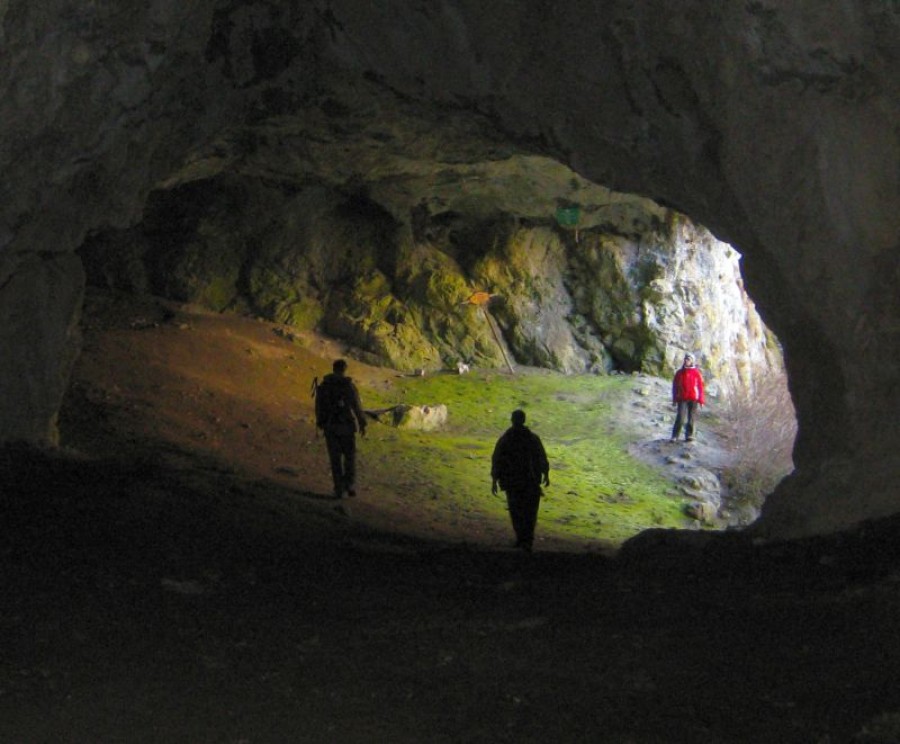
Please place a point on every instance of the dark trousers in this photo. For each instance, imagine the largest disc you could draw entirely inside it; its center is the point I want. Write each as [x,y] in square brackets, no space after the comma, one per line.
[684,415]
[342,455]
[523,506]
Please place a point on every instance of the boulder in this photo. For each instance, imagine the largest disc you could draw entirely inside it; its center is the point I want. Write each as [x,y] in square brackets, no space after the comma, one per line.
[422,418]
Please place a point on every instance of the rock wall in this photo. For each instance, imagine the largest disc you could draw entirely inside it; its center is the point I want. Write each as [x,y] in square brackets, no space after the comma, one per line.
[40,308]
[658,293]
[630,293]
[775,125]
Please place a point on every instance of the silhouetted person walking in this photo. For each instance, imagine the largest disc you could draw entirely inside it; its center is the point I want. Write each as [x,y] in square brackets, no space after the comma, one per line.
[519,464]
[339,413]
[687,395]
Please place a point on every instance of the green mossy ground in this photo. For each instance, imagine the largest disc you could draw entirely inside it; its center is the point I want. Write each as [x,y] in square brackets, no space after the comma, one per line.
[598,491]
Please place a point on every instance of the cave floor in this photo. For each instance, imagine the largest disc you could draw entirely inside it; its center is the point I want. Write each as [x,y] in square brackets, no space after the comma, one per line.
[153,594]
[161,602]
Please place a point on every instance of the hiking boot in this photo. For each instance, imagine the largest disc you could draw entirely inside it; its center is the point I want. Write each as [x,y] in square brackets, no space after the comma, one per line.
[351,492]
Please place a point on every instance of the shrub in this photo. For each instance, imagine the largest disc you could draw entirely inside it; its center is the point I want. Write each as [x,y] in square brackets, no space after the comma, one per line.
[760,424]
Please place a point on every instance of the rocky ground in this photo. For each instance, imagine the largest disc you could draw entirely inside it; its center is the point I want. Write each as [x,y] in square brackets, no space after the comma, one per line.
[158,588]
[697,466]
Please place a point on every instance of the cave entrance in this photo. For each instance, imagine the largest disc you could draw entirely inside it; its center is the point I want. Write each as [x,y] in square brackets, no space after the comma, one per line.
[283,224]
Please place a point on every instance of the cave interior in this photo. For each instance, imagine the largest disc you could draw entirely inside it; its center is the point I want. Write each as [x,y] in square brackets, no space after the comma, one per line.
[135,615]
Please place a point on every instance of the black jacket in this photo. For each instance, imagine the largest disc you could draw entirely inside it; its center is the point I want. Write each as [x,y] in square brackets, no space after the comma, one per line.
[519,459]
[338,408]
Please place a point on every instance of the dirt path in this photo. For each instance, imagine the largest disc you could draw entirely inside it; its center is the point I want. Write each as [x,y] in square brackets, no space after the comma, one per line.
[695,468]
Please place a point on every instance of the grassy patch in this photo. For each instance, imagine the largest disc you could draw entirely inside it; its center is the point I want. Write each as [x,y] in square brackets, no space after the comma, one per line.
[597,489]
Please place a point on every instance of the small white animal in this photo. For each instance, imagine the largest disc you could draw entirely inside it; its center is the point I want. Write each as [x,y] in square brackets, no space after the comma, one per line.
[462,368]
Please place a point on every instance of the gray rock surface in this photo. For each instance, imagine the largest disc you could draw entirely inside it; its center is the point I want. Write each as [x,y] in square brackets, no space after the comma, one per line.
[421,418]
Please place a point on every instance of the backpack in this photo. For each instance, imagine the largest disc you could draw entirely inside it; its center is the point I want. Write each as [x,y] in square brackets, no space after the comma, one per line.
[334,402]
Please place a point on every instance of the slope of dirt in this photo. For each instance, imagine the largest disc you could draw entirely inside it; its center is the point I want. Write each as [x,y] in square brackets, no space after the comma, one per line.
[177,574]
[161,378]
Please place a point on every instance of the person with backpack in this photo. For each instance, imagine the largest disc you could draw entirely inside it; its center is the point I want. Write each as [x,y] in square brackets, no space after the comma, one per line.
[687,395]
[519,465]
[339,414]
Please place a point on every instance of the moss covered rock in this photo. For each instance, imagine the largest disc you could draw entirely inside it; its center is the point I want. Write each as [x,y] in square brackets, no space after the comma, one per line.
[389,267]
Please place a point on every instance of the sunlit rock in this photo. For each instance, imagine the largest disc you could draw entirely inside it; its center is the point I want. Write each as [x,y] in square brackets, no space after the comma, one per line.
[420,417]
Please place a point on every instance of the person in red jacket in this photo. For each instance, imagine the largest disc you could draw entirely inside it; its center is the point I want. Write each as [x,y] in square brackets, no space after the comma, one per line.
[687,395]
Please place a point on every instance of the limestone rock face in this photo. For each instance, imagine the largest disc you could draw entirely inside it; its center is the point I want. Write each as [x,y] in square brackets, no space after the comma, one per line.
[658,293]
[422,418]
[773,124]
[628,285]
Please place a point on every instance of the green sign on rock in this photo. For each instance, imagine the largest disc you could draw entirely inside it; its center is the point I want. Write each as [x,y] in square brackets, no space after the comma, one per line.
[568,216]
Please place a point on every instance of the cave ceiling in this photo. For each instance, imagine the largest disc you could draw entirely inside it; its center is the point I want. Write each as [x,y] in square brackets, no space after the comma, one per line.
[359,138]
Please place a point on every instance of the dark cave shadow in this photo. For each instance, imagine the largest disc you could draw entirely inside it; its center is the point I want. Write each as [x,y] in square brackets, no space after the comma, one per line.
[316,496]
